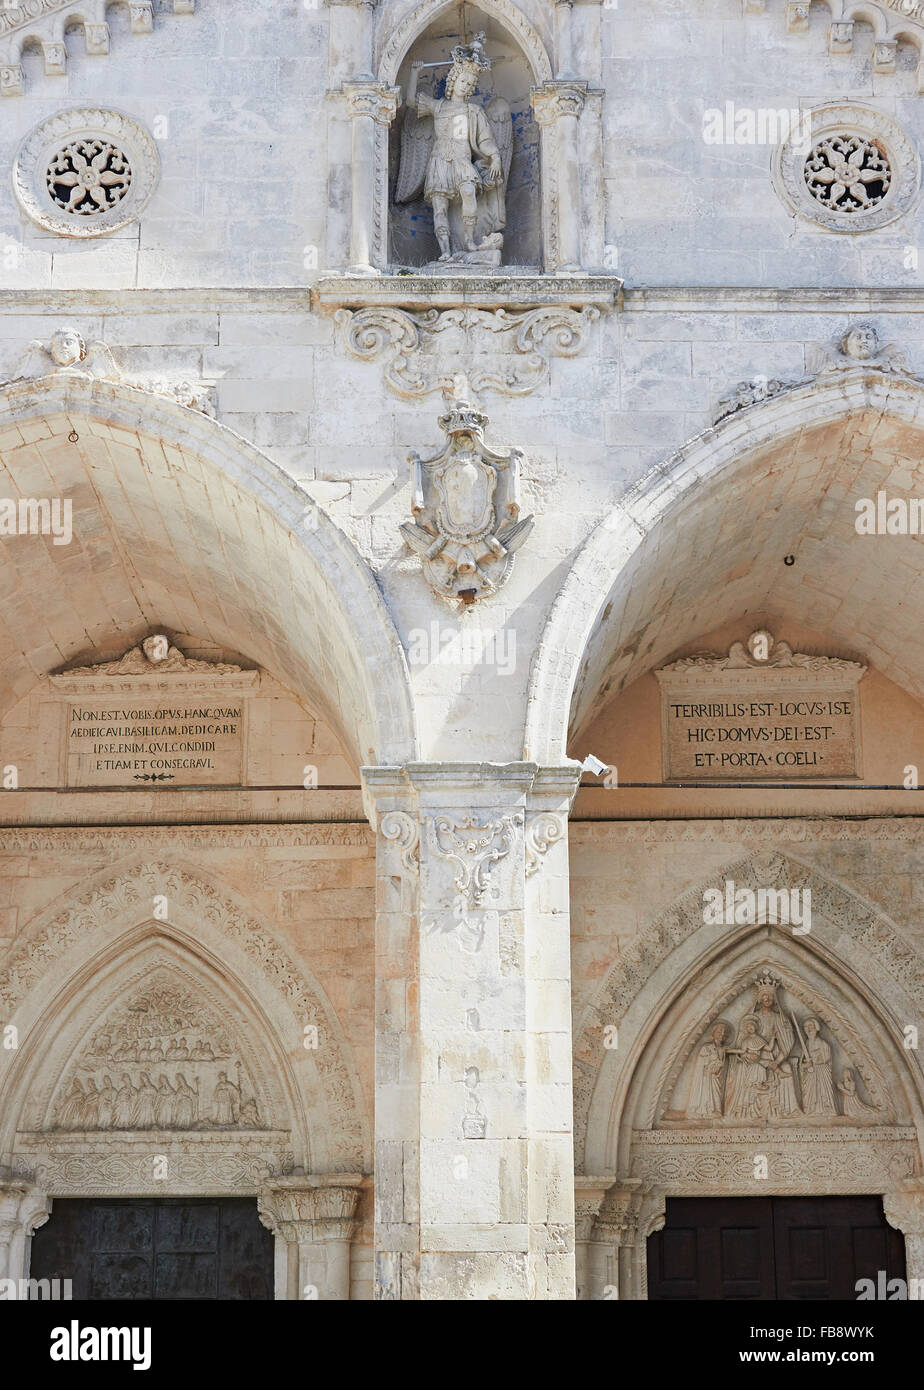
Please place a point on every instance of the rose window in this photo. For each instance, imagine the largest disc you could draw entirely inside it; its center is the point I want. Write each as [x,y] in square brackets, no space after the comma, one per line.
[88,176]
[848,173]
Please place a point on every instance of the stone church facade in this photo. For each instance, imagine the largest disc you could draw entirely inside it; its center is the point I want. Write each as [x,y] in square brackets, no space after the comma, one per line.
[461,692]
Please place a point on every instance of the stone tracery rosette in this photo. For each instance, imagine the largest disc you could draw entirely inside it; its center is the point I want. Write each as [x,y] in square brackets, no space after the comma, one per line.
[856,171]
[85,172]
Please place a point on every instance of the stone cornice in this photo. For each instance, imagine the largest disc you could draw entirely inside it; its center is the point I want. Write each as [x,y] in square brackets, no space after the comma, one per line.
[508,289]
[331,291]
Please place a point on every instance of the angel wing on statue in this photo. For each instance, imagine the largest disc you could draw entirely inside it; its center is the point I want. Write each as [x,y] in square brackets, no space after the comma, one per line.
[458,152]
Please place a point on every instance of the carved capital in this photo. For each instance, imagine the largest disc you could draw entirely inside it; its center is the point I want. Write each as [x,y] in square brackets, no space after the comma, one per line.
[12,80]
[399,826]
[373,99]
[310,1210]
[542,831]
[23,1207]
[904,1209]
[555,99]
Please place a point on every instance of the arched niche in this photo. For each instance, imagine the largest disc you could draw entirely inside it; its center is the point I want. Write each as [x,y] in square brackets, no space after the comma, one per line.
[516,66]
[151,956]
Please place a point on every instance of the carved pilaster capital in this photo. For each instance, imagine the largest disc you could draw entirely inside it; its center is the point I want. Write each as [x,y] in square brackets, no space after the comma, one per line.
[374,99]
[556,99]
[904,1208]
[589,1193]
[310,1210]
[23,1206]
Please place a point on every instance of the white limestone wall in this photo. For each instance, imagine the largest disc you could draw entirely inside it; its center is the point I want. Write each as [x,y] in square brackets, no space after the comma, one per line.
[235,97]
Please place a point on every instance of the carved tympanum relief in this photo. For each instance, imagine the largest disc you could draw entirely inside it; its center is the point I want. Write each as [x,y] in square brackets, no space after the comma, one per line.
[163,1061]
[772,1063]
[466,508]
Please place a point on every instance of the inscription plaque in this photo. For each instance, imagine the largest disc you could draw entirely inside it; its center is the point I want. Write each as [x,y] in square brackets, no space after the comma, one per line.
[155,741]
[761,713]
[152,717]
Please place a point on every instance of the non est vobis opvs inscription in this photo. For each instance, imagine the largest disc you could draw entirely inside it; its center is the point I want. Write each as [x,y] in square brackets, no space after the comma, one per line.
[182,740]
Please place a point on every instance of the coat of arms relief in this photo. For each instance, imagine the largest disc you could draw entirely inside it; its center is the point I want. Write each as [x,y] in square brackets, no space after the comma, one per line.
[466,507]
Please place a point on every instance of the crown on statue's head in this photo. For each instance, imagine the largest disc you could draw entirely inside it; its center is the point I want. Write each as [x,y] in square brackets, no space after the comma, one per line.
[767,981]
[471,57]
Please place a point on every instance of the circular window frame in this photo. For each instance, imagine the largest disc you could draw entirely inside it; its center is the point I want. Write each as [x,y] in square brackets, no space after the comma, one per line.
[847,119]
[47,139]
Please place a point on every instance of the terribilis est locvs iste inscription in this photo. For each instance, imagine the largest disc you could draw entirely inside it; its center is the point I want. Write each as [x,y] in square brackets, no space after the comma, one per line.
[761,713]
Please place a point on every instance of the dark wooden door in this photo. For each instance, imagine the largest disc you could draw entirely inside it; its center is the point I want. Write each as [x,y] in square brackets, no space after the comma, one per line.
[156,1248]
[767,1248]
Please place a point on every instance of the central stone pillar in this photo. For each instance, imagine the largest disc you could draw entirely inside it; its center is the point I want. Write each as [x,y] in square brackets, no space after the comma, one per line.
[473,1112]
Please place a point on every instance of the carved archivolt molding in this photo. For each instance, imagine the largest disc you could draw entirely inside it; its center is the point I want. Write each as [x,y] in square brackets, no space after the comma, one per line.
[497,349]
[127,897]
[848,142]
[102,157]
[46,22]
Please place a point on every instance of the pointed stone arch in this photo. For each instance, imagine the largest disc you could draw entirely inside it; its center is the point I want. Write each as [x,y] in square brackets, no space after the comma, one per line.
[855,966]
[108,944]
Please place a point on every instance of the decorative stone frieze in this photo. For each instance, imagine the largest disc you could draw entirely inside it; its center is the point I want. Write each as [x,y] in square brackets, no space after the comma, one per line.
[498,349]
[85,172]
[45,22]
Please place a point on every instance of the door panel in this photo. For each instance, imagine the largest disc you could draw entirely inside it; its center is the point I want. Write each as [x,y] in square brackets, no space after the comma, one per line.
[156,1248]
[765,1248]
